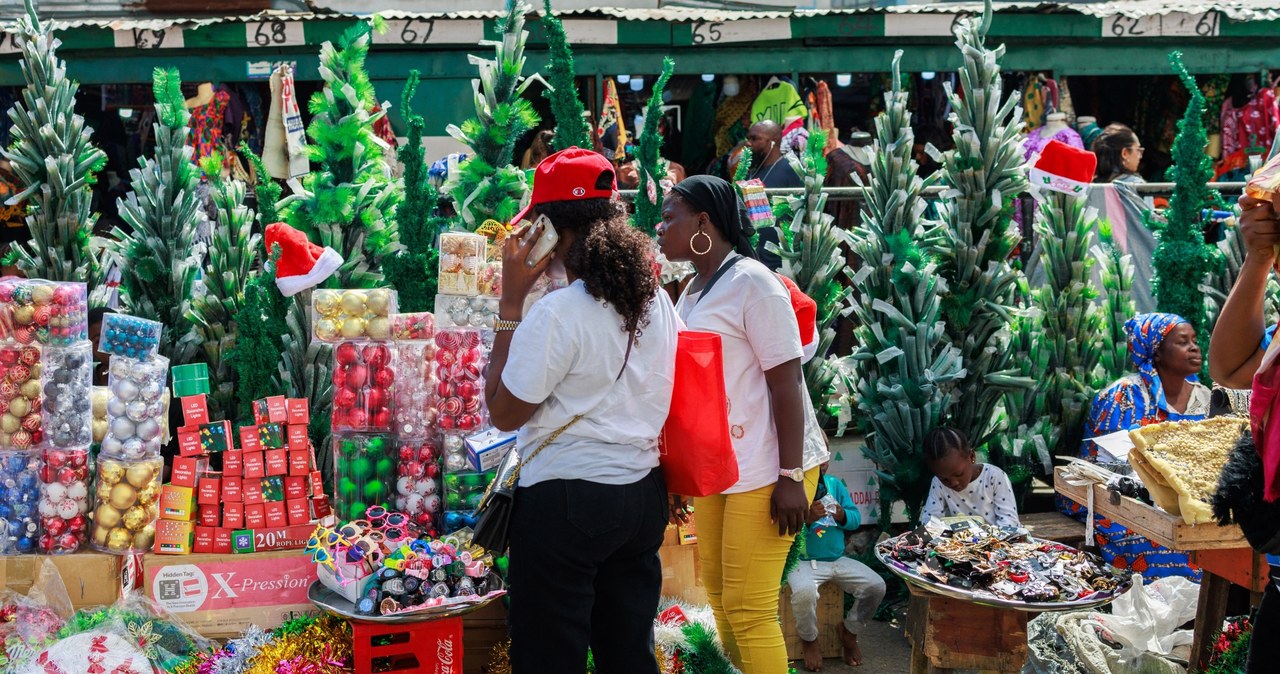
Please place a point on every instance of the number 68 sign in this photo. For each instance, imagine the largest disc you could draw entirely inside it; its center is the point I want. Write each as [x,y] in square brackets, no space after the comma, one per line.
[274,34]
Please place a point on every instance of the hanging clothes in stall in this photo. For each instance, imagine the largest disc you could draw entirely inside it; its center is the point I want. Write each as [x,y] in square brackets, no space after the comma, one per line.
[207,120]
[1040,137]
[612,130]
[778,101]
[820,101]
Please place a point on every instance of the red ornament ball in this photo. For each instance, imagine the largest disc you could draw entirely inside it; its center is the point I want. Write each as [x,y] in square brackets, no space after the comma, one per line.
[377,355]
[384,377]
[346,353]
[357,376]
[344,398]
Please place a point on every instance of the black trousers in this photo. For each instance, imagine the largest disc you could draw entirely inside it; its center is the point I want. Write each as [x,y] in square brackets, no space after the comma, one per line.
[1264,647]
[584,571]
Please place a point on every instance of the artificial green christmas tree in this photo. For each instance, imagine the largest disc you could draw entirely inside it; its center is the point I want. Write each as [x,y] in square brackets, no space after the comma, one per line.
[486,185]
[267,191]
[349,203]
[904,369]
[572,129]
[648,203]
[54,157]
[1116,272]
[412,270]
[159,256]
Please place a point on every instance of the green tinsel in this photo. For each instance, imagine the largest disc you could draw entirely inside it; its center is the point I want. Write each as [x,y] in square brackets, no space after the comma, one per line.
[649,158]
[257,353]
[572,129]
[1182,259]
[267,191]
[412,270]
[704,655]
[797,550]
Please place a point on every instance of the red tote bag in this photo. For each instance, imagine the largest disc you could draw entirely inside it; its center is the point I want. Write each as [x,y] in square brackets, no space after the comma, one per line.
[697,452]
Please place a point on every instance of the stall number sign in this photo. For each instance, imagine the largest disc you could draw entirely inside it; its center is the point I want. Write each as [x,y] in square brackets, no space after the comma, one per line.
[274,34]
[1174,24]
[430,31]
[9,43]
[146,38]
[745,30]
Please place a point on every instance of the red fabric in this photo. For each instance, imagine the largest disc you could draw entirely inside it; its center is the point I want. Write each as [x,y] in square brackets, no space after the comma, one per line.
[1264,411]
[697,453]
[297,255]
[806,311]
[1059,159]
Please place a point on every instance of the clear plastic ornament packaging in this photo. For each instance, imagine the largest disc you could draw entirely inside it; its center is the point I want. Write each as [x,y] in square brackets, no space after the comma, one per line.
[129,336]
[414,326]
[135,408]
[20,423]
[453,453]
[462,491]
[65,479]
[67,377]
[456,311]
[338,315]
[364,473]
[364,385]
[128,495]
[418,483]
[19,501]
[35,311]
[414,414]
[460,362]
[462,255]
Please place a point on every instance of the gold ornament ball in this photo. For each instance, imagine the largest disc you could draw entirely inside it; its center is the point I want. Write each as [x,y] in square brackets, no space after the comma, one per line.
[379,301]
[100,536]
[30,390]
[148,494]
[24,315]
[144,539]
[135,518]
[379,327]
[141,474]
[36,369]
[123,497]
[326,329]
[104,492]
[119,539]
[42,294]
[106,517]
[353,303]
[353,327]
[10,424]
[99,403]
[326,302]
[19,407]
[153,512]
[110,472]
[99,429]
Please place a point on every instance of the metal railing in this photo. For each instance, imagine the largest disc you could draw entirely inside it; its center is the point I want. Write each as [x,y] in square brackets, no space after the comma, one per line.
[858,193]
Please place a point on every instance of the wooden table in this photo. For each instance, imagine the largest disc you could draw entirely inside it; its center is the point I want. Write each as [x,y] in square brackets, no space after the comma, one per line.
[1222,553]
[949,634]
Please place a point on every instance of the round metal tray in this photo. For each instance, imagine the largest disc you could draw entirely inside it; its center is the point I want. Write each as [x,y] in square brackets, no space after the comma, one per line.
[985,598]
[331,602]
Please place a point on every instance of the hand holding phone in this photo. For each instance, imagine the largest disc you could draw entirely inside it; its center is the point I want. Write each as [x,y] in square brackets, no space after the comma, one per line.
[545,244]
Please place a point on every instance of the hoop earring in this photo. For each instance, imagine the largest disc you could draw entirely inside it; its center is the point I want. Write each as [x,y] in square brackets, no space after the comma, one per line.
[694,248]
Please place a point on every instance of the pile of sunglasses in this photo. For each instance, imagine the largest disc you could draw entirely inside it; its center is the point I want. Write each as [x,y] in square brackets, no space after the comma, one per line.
[1004,563]
[410,571]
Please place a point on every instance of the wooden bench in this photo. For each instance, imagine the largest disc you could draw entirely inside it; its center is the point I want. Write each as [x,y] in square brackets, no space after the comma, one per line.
[1056,527]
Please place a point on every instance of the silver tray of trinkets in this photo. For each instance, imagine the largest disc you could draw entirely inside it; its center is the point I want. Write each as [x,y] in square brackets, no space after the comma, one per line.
[909,574]
[335,604]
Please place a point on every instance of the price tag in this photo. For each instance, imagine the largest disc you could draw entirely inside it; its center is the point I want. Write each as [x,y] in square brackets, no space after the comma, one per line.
[430,31]
[745,30]
[146,38]
[1174,24]
[10,44]
[275,33]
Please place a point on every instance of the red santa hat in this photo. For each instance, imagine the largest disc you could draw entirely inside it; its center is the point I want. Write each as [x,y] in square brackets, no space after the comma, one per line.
[1064,169]
[806,311]
[302,264]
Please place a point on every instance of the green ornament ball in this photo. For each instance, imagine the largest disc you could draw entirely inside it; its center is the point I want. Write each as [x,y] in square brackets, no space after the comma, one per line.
[360,468]
[376,444]
[454,501]
[356,511]
[346,487]
[373,489]
[385,467]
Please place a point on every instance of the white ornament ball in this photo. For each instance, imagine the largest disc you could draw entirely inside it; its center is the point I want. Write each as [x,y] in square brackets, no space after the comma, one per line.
[78,491]
[149,429]
[68,508]
[55,491]
[115,407]
[122,428]
[47,508]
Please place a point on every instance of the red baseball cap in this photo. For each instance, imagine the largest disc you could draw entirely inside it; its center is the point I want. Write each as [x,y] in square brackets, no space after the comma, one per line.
[569,175]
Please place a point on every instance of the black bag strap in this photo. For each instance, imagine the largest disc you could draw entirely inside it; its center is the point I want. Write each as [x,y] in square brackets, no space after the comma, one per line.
[716,276]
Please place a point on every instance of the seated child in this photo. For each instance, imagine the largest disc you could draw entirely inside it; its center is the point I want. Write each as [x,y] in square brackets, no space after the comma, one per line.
[824,561]
[962,486]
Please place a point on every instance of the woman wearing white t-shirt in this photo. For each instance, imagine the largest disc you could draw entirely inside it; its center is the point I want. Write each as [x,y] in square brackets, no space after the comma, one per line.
[745,533]
[587,377]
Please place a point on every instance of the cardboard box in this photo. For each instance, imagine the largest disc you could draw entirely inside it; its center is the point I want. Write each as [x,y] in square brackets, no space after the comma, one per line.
[272,488]
[688,532]
[209,491]
[317,483]
[232,489]
[222,541]
[297,511]
[216,437]
[249,441]
[272,436]
[195,410]
[210,516]
[255,516]
[255,465]
[174,538]
[233,463]
[281,538]
[295,488]
[320,507]
[298,411]
[277,515]
[251,490]
[203,541]
[277,461]
[233,515]
[297,439]
[485,450]
[177,502]
[220,596]
[273,410]
[299,462]
[189,442]
[91,578]
[187,470]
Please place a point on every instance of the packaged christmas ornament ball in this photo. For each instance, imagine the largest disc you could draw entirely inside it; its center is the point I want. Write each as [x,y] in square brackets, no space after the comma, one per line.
[35,311]
[364,383]
[455,311]
[99,398]
[460,362]
[338,315]
[418,492]
[65,495]
[364,473]
[19,501]
[20,410]
[129,336]
[413,414]
[462,254]
[128,494]
[462,491]
[416,326]
[67,379]
[136,409]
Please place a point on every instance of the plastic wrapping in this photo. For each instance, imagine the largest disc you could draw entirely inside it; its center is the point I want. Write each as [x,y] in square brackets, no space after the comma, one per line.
[65,478]
[35,311]
[462,254]
[418,326]
[456,311]
[136,415]
[364,473]
[20,425]
[67,412]
[129,336]
[453,447]
[462,491]
[99,396]
[414,415]
[363,386]
[128,505]
[418,484]
[460,362]
[352,314]
[19,499]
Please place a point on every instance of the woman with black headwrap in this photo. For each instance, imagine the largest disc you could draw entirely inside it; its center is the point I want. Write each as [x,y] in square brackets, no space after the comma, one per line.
[744,534]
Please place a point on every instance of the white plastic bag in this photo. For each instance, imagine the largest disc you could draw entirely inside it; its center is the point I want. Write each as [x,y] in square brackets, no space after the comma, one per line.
[1146,618]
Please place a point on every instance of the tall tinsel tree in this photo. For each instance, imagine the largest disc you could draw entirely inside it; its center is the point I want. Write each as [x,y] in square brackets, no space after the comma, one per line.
[904,368]
[984,173]
[572,128]
[1116,272]
[159,256]
[412,270]
[812,246]
[648,203]
[232,262]
[486,185]
[1182,259]
[54,157]
[267,191]
[349,203]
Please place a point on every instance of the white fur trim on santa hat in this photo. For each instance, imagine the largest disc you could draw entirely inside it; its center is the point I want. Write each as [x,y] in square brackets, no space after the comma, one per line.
[325,265]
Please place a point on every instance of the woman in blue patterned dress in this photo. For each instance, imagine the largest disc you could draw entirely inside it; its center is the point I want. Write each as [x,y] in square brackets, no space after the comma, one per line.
[1165,388]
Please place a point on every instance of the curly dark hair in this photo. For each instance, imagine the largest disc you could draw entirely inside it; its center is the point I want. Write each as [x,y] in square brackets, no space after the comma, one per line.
[613,259]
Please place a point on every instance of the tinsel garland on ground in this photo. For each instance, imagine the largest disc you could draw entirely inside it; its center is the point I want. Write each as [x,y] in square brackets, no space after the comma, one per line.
[412,270]
[648,202]
[301,646]
[572,129]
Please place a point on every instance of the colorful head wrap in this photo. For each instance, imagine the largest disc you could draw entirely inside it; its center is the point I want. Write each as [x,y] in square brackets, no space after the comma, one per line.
[1146,333]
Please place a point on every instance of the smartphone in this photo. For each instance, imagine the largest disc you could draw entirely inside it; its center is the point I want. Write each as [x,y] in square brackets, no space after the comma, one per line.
[545,245]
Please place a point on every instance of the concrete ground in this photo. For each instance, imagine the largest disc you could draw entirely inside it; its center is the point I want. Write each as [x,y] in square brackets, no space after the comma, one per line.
[885,650]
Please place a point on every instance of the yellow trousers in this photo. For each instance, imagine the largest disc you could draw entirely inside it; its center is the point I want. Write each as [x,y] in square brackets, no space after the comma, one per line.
[742,557]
